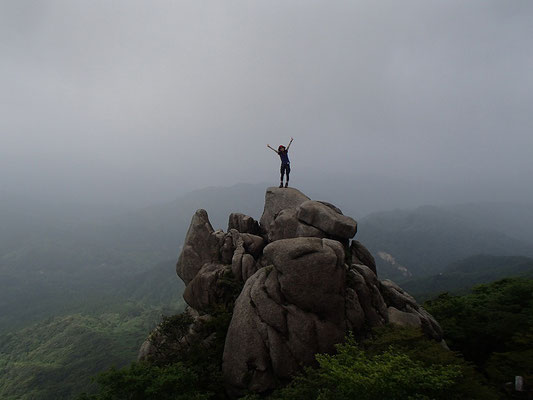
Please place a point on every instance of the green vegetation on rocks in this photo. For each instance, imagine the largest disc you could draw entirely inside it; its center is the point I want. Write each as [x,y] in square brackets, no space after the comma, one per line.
[398,363]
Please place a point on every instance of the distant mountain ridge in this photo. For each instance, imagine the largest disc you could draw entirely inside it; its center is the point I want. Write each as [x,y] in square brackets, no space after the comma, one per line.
[514,219]
[427,239]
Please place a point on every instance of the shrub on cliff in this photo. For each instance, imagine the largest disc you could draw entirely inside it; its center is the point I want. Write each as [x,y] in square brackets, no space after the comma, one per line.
[191,374]
[398,363]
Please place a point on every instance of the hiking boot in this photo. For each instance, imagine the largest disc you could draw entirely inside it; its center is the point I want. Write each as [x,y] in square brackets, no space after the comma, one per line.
[281,185]
[286,184]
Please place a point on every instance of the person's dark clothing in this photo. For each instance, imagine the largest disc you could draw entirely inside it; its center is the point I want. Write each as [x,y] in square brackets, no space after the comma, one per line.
[285,168]
[284,155]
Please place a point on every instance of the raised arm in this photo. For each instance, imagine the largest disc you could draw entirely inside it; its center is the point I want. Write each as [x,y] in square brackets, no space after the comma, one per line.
[272,149]
[289,144]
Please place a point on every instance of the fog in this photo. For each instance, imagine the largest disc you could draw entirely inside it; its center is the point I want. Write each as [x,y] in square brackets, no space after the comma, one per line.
[137,102]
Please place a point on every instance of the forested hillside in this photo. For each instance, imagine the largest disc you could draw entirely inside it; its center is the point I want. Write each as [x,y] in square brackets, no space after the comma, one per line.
[492,327]
[57,357]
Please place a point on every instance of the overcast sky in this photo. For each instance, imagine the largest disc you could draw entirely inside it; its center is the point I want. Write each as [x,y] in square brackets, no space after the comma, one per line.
[106,100]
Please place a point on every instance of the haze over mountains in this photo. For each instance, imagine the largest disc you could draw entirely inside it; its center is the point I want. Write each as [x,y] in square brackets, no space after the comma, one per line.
[83,244]
[427,239]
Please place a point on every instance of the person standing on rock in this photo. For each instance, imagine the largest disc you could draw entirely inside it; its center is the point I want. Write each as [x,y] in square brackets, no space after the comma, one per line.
[285,163]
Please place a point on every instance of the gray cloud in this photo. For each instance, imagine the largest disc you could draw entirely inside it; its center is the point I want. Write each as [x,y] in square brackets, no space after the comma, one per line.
[114,100]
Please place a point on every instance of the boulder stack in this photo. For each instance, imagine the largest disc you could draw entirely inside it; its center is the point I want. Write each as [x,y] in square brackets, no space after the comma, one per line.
[305,285]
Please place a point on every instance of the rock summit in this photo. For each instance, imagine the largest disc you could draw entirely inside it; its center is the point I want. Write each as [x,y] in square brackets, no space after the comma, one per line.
[303,284]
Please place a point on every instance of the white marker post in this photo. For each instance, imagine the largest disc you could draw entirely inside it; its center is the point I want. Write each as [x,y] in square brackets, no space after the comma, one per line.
[519,383]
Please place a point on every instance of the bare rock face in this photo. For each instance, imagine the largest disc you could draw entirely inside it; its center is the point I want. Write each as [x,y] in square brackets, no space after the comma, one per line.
[403,310]
[306,218]
[296,284]
[253,244]
[332,206]
[243,264]
[305,263]
[286,225]
[201,246]
[370,302]
[243,224]
[327,219]
[359,254]
[207,288]
[211,257]
[277,199]
[278,323]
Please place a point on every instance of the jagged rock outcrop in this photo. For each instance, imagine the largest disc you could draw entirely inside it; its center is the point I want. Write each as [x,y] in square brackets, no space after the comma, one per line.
[206,252]
[201,246]
[243,223]
[297,285]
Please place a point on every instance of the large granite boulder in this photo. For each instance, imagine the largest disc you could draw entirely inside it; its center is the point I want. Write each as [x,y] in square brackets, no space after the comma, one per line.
[293,215]
[279,324]
[277,199]
[327,219]
[286,225]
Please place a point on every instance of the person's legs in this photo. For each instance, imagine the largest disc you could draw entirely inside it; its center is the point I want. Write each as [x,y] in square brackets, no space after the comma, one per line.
[288,171]
[282,172]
